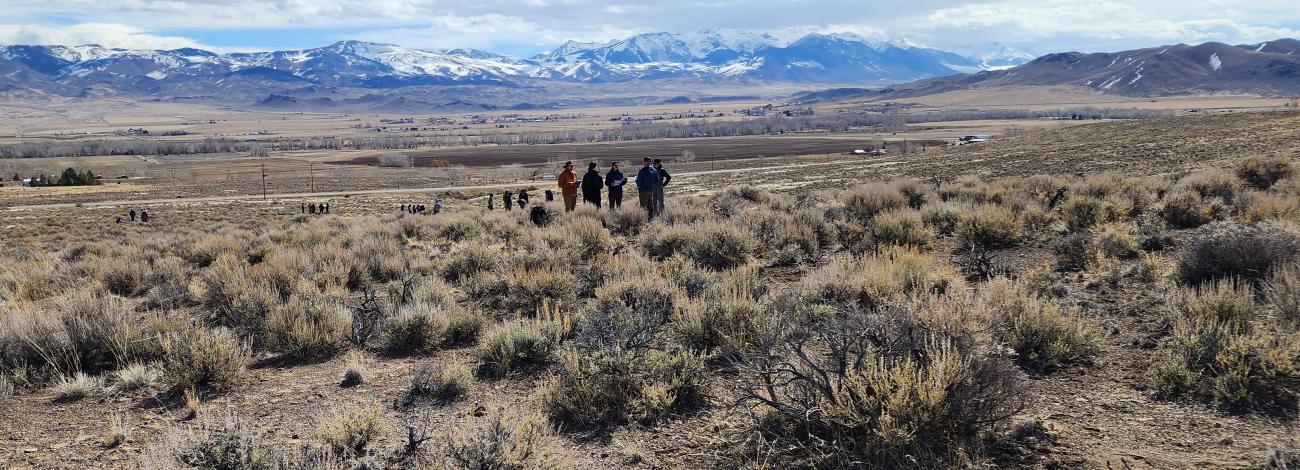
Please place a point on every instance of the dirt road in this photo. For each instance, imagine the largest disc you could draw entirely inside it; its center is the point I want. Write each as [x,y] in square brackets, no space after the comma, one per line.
[278,196]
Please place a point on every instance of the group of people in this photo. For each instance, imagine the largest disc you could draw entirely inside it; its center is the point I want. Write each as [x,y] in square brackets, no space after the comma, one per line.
[509,200]
[314,208]
[420,208]
[650,182]
[144,216]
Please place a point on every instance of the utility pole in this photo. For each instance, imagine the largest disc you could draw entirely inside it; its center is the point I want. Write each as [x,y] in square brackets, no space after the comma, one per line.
[263,181]
[311,172]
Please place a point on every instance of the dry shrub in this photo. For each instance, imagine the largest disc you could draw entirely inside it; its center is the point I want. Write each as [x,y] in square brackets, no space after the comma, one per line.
[78,386]
[966,188]
[203,358]
[1262,207]
[687,275]
[1282,291]
[206,250]
[1228,249]
[29,280]
[903,227]
[713,245]
[1082,212]
[225,443]
[135,376]
[530,290]
[457,228]
[1183,208]
[988,227]
[913,192]
[415,328]
[469,259]
[463,327]
[348,430]
[866,396]
[605,388]
[1212,184]
[871,281]
[126,276]
[516,346]
[306,327]
[628,312]
[943,217]
[723,323]
[1116,239]
[1043,337]
[864,202]
[1217,351]
[627,220]
[102,333]
[583,237]
[505,441]
[1263,172]
[235,296]
[442,384]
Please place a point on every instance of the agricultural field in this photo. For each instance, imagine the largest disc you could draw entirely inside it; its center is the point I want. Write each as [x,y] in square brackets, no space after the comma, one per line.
[1108,295]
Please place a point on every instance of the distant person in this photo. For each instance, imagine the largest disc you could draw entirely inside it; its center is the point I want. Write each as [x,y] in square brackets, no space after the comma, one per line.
[311,208]
[615,180]
[550,196]
[437,206]
[144,216]
[327,207]
[491,196]
[568,182]
[591,184]
[647,182]
[664,178]
[507,200]
[403,207]
[302,208]
[119,219]
[132,213]
[523,200]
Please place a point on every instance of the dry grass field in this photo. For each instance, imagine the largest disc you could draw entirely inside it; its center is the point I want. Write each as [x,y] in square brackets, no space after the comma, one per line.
[1110,295]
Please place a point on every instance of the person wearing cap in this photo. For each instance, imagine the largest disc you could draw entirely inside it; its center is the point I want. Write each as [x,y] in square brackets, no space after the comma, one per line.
[647,182]
[591,184]
[615,180]
[568,181]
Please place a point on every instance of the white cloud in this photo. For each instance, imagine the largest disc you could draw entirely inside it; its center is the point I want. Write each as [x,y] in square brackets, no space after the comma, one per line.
[104,34]
[1037,25]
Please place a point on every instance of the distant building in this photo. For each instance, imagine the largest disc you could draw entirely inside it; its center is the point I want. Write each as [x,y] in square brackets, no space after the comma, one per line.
[975,138]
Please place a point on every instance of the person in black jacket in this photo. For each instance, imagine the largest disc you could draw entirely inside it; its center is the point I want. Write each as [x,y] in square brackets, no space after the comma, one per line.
[522,200]
[615,180]
[591,184]
[507,200]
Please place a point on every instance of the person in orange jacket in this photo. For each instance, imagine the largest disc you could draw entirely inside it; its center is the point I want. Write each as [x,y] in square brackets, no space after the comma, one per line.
[568,181]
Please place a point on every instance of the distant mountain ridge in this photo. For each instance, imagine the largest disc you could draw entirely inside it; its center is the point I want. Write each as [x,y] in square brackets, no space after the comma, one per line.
[710,54]
[1269,68]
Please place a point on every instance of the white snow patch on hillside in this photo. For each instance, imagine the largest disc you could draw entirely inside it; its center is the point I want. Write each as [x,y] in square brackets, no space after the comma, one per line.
[1215,62]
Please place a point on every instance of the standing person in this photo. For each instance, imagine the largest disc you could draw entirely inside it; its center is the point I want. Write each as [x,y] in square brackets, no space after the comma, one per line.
[615,180]
[437,206]
[568,181]
[311,208]
[664,178]
[490,197]
[591,184]
[523,199]
[144,216]
[132,216]
[507,200]
[647,182]
[403,208]
[302,208]
[550,196]
[327,207]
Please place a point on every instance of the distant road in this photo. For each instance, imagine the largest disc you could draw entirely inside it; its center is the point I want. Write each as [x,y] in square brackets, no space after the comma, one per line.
[247,197]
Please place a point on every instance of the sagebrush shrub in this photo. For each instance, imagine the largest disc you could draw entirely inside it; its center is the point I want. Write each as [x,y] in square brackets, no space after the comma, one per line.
[865,201]
[591,389]
[1228,249]
[442,384]
[505,441]
[1263,172]
[714,245]
[308,328]
[516,346]
[415,328]
[203,358]
[348,430]
[901,228]
[988,227]
[1043,336]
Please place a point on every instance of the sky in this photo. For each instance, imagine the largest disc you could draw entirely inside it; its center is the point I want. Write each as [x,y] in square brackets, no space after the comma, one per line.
[528,27]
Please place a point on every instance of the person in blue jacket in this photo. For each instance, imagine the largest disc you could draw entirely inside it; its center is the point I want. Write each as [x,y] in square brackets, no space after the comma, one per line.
[647,182]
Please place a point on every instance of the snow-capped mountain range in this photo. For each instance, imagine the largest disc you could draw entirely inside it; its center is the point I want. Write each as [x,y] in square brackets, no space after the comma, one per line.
[722,54]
